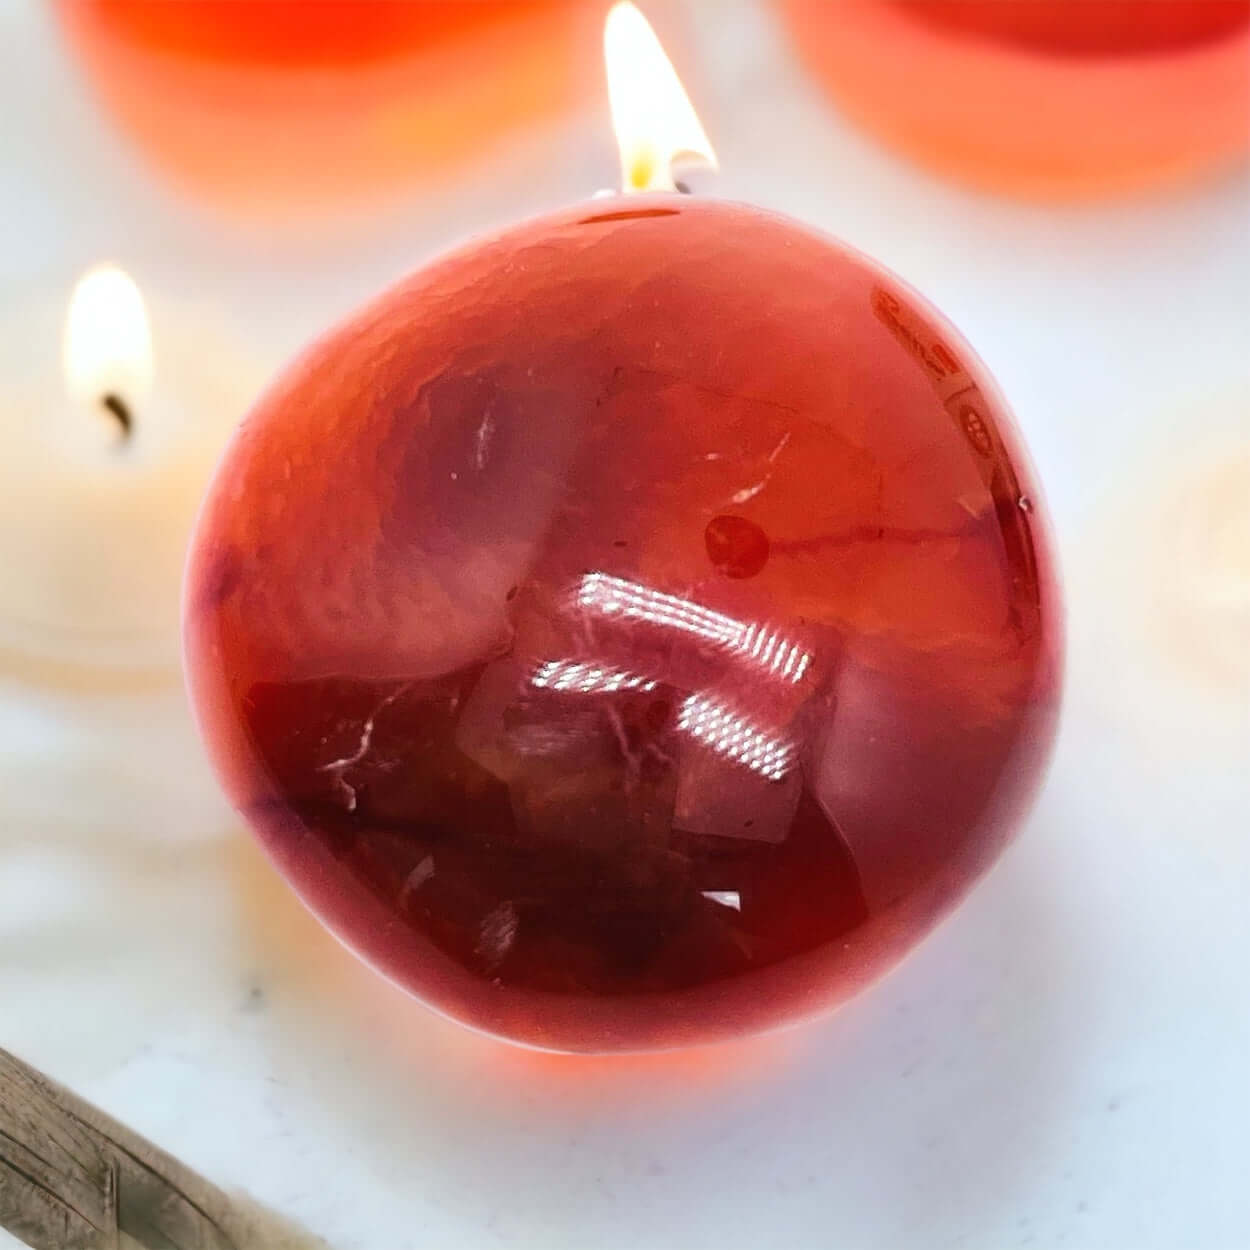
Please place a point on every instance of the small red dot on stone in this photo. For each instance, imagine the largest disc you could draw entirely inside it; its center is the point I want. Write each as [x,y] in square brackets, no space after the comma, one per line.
[738,547]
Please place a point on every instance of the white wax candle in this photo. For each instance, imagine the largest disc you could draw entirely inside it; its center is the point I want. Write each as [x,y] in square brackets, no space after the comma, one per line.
[110,422]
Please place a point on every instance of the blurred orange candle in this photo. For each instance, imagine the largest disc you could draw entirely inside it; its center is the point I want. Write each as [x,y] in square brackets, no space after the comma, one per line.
[274,106]
[1044,98]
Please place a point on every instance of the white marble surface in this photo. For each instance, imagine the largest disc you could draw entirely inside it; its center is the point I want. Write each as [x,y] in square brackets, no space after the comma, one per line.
[1063,1064]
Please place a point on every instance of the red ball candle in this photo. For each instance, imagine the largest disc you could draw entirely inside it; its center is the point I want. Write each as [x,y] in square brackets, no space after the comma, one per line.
[273,107]
[1044,98]
[631,630]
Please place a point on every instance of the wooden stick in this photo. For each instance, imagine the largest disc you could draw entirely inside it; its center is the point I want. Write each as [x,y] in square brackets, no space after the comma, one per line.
[73,1179]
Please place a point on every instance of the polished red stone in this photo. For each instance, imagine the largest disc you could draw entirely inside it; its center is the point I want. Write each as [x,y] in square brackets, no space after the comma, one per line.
[632,630]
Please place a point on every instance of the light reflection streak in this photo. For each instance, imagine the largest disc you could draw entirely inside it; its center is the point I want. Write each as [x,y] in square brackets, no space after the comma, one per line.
[715,725]
[587,678]
[615,597]
[736,738]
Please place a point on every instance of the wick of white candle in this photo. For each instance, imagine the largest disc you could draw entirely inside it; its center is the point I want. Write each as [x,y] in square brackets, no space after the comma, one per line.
[121,410]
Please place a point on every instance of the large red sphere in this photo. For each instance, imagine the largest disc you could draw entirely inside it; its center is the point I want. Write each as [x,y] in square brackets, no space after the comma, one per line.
[633,630]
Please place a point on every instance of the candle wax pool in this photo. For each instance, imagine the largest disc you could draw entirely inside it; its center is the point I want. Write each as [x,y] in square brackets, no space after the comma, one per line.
[632,630]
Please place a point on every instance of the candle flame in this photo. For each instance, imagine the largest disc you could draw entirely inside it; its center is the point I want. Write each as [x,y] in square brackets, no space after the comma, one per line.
[107,346]
[655,122]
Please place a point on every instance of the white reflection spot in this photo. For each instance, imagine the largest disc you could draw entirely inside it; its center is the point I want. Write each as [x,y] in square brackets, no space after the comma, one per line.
[726,898]
[734,737]
[614,596]
[587,678]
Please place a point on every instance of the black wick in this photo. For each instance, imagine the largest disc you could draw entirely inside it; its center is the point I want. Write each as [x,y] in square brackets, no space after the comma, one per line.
[121,410]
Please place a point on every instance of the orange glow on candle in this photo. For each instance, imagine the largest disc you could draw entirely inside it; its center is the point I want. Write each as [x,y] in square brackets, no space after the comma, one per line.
[280,111]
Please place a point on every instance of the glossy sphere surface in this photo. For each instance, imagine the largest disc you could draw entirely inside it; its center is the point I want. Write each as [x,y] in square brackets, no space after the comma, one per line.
[274,107]
[633,630]
[1043,98]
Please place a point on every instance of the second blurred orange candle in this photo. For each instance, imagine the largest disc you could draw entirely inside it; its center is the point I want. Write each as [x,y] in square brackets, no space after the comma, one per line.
[1046,98]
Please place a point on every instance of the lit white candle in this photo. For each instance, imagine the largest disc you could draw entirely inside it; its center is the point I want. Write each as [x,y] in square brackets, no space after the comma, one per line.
[656,126]
[104,453]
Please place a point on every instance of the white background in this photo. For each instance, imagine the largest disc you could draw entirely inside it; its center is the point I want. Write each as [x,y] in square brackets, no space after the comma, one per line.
[1063,1064]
